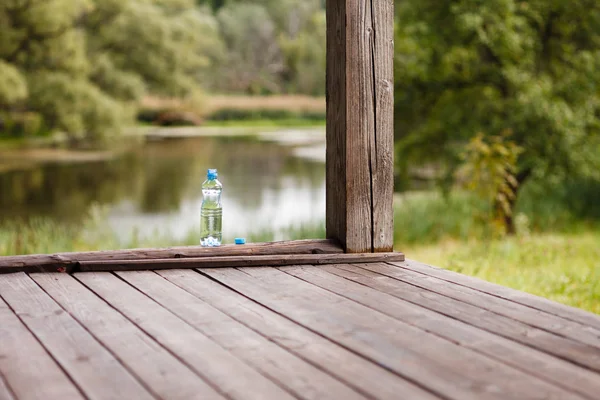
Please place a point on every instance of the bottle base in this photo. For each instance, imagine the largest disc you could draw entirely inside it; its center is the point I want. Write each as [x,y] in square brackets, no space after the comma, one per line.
[210,242]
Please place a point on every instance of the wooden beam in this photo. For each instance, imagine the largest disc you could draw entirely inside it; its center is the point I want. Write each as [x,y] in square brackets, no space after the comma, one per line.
[237,261]
[360,132]
[65,262]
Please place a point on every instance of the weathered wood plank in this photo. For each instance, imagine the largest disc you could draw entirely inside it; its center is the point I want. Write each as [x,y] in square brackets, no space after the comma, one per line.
[65,262]
[527,299]
[18,348]
[382,147]
[163,374]
[570,350]
[533,362]
[235,261]
[97,373]
[336,207]
[518,312]
[360,124]
[5,393]
[233,378]
[442,366]
[352,369]
[300,378]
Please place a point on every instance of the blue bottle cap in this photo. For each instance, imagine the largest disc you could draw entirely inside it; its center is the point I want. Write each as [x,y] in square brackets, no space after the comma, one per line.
[212,174]
[240,241]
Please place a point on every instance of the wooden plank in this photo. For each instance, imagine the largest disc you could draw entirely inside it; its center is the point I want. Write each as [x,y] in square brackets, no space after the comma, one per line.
[18,350]
[96,372]
[300,378]
[5,393]
[437,364]
[570,350]
[360,124]
[527,299]
[518,312]
[163,374]
[233,378]
[382,148]
[557,371]
[335,158]
[65,262]
[352,369]
[235,261]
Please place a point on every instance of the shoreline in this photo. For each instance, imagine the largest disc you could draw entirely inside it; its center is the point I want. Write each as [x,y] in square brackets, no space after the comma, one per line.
[29,153]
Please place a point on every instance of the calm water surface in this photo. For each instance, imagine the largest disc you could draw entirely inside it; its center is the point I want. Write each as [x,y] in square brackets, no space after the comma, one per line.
[156,188]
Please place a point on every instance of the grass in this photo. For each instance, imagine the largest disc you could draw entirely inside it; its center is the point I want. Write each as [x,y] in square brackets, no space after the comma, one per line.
[561,267]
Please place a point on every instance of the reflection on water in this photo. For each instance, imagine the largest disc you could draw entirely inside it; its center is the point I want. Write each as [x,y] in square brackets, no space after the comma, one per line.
[156,188]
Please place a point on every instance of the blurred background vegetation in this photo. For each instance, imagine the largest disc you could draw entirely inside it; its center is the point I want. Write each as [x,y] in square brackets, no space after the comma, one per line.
[111,110]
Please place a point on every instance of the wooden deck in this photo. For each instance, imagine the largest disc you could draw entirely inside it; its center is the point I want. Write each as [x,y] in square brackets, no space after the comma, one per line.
[351,331]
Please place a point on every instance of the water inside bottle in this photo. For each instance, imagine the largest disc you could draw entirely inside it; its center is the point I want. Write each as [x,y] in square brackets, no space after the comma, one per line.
[211,213]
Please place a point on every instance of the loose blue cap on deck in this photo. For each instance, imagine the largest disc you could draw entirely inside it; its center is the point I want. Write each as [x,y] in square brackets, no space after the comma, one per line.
[240,241]
[212,174]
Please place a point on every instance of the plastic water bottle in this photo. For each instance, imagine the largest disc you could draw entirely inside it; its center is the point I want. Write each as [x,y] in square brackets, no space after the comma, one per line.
[212,211]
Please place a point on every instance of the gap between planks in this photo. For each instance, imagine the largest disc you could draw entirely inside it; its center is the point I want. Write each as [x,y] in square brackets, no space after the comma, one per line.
[411,353]
[351,368]
[373,294]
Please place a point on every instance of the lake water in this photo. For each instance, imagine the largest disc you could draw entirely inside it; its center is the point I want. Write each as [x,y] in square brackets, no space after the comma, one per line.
[270,183]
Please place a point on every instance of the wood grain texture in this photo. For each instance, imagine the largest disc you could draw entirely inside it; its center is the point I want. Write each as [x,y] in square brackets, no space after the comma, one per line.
[539,319]
[350,368]
[163,374]
[65,262]
[335,160]
[96,372]
[440,365]
[527,299]
[236,261]
[570,350]
[23,360]
[382,149]
[530,361]
[360,124]
[233,378]
[300,378]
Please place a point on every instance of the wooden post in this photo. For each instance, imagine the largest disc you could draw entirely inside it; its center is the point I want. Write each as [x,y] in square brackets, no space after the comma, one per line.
[360,133]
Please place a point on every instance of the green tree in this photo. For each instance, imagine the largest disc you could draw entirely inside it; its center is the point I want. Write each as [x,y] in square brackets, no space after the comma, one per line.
[530,67]
[82,65]
[270,46]
[253,59]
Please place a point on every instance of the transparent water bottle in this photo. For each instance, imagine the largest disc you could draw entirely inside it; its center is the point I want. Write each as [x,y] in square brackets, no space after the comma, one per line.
[212,212]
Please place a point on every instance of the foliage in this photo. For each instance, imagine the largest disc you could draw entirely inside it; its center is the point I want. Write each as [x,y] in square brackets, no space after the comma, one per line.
[82,65]
[488,170]
[269,46]
[528,66]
